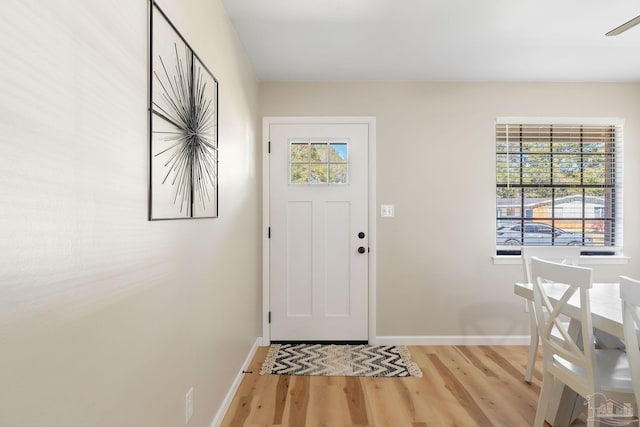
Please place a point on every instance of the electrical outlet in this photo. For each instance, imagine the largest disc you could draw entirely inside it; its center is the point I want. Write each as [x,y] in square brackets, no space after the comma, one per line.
[188,405]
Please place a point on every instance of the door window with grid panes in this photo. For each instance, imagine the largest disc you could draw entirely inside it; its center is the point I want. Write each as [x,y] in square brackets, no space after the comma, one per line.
[318,161]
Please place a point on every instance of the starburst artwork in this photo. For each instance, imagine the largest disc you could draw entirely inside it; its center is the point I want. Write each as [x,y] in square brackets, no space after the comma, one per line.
[183,122]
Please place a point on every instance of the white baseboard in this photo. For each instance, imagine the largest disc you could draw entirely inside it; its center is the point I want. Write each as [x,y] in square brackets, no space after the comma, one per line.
[454,340]
[226,403]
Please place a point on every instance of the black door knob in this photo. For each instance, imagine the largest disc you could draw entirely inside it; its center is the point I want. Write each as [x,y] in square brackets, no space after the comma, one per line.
[361,250]
[361,235]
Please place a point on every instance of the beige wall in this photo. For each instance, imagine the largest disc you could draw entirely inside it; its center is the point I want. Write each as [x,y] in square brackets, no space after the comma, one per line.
[436,160]
[107,319]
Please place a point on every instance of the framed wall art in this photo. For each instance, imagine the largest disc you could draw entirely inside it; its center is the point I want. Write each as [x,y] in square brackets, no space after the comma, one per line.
[183,126]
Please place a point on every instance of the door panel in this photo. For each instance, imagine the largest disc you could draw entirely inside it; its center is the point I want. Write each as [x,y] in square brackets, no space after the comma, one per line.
[299,259]
[337,297]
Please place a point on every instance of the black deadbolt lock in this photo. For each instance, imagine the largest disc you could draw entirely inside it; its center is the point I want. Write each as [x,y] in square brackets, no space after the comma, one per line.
[361,235]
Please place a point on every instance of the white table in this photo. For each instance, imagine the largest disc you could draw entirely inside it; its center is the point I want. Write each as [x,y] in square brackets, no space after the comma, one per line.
[606,313]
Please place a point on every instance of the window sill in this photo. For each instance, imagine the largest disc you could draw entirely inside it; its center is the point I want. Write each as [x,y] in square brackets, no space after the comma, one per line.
[584,260]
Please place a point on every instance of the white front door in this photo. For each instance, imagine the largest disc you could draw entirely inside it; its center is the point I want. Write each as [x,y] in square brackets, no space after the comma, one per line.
[318,210]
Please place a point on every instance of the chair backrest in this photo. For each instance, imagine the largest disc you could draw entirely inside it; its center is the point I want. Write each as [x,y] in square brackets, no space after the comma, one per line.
[562,282]
[561,254]
[630,296]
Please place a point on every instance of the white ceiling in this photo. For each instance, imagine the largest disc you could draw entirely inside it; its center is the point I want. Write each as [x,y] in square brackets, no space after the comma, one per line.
[438,40]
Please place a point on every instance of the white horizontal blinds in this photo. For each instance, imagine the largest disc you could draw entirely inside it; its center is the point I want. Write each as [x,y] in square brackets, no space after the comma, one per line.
[565,175]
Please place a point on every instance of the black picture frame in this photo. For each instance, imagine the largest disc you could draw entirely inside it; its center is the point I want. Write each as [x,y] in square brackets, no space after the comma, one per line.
[183,126]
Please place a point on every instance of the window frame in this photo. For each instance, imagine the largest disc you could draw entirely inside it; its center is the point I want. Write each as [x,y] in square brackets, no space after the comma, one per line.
[617,179]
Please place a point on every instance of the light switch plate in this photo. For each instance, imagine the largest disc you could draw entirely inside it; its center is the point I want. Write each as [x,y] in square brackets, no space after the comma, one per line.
[387,211]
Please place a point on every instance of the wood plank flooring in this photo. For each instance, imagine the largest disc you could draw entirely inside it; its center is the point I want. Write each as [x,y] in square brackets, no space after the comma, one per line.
[474,386]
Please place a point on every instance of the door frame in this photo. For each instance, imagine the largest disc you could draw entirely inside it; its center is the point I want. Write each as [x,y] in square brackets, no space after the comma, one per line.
[266,220]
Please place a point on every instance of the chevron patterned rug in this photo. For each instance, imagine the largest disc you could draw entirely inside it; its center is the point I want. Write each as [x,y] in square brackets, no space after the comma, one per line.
[340,360]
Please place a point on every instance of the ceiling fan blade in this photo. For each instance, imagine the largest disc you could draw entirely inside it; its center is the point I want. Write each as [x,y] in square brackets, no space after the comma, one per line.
[624,27]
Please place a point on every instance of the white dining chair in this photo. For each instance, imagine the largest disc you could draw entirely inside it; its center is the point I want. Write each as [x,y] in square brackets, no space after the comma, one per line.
[575,362]
[562,254]
[630,296]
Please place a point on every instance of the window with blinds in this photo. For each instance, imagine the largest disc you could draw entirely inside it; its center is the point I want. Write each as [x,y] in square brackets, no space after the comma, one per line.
[559,183]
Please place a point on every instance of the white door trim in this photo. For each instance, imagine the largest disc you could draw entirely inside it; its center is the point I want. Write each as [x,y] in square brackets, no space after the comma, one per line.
[266,286]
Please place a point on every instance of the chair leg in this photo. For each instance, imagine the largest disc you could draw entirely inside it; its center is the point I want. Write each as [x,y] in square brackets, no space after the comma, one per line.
[533,351]
[543,399]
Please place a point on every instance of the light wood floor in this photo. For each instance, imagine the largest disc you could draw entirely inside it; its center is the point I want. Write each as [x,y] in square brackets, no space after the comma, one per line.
[473,386]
